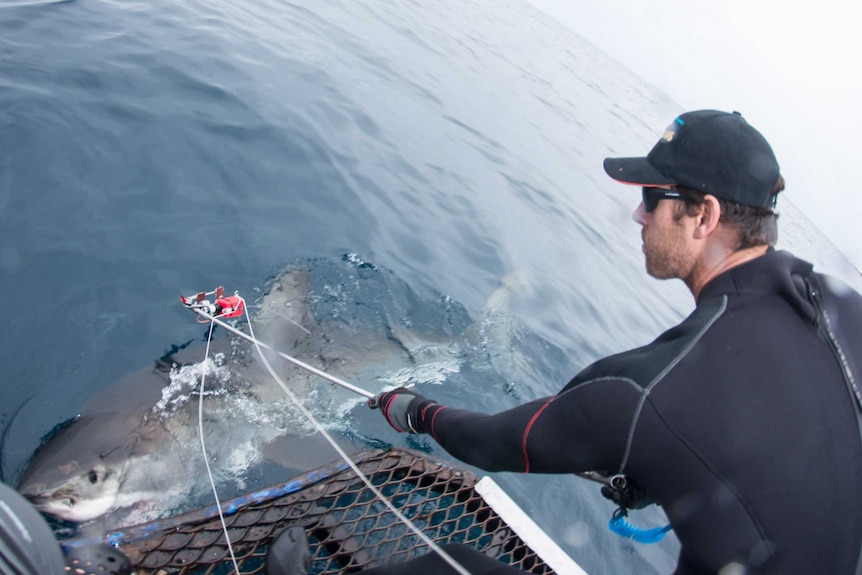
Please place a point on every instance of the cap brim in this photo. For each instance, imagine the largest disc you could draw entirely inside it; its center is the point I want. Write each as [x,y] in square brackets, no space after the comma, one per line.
[636,171]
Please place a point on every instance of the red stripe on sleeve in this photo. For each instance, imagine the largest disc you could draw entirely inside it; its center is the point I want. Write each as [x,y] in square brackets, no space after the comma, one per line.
[434,419]
[386,409]
[527,432]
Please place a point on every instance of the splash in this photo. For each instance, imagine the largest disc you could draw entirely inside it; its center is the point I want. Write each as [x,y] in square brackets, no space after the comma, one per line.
[185,382]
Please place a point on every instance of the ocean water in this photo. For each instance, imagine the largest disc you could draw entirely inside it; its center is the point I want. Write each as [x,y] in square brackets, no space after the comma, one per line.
[151,148]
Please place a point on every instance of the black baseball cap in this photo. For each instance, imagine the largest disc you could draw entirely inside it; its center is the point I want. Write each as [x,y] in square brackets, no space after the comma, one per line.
[714,152]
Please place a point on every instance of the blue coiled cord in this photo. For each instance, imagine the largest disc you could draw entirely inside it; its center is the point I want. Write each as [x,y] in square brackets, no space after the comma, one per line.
[619,525]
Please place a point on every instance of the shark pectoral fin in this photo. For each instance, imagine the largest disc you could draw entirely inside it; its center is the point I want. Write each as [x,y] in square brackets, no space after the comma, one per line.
[513,283]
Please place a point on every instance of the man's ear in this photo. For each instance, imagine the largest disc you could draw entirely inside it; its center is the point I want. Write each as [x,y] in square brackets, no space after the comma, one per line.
[708,218]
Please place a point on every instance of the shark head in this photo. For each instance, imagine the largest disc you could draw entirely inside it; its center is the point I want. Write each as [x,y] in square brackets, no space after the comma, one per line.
[75,493]
[78,473]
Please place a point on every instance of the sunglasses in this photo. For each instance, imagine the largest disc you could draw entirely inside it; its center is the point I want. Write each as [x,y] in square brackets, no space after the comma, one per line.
[651,196]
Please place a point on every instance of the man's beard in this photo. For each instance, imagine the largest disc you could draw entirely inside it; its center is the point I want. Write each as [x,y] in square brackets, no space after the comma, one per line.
[665,254]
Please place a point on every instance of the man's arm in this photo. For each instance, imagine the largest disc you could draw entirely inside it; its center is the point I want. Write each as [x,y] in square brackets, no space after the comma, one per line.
[581,429]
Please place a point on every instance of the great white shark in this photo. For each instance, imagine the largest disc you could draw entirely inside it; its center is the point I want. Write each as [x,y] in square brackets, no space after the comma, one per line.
[133,453]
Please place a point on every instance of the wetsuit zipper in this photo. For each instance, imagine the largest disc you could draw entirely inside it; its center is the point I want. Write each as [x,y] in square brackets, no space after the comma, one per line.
[826,325]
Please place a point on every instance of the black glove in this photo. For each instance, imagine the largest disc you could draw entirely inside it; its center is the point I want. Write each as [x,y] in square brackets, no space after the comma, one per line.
[627,493]
[401,407]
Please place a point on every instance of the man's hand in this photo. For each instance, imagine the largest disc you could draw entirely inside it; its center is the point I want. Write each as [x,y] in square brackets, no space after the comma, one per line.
[400,407]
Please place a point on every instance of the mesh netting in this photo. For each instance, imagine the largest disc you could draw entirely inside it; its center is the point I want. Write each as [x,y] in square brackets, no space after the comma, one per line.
[348,528]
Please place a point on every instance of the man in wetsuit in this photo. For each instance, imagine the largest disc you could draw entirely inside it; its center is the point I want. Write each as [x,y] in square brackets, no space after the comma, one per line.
[743,421]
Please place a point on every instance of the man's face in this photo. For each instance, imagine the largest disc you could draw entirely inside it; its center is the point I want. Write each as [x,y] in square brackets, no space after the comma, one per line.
[666,240]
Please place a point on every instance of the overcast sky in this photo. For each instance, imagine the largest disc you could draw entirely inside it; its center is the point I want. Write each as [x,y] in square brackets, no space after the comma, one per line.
[791,68]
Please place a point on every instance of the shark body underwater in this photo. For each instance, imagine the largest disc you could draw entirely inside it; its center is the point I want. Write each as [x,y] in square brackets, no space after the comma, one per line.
[134,453]
[134,450]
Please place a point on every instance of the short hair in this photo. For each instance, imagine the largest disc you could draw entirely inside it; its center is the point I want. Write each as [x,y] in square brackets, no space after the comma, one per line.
[756,226]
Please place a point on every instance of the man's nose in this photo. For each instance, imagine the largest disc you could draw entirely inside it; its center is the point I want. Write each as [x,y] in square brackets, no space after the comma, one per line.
[639,215]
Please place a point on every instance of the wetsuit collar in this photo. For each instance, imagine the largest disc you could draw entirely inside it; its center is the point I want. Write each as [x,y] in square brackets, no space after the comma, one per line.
[774,273]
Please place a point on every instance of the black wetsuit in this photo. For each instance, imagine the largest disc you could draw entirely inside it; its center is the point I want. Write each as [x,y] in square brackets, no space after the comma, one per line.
[743,422]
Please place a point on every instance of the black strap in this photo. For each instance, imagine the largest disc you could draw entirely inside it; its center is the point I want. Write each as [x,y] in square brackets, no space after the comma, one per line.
[627,493]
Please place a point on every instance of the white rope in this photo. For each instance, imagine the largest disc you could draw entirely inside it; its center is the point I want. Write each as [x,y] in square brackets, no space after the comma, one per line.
[293,360]
[204,449]
[258,345]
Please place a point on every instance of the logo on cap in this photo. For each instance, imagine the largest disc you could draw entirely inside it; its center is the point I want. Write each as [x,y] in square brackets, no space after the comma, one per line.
[670,131]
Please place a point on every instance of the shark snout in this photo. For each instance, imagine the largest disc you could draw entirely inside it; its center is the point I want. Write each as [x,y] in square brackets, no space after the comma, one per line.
[44,499]
[37,499]
[35,494]
[76,499]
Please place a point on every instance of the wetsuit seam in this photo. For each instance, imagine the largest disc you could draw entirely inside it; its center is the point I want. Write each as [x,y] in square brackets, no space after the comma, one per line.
[715,473]
[602,379]
[672,364]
